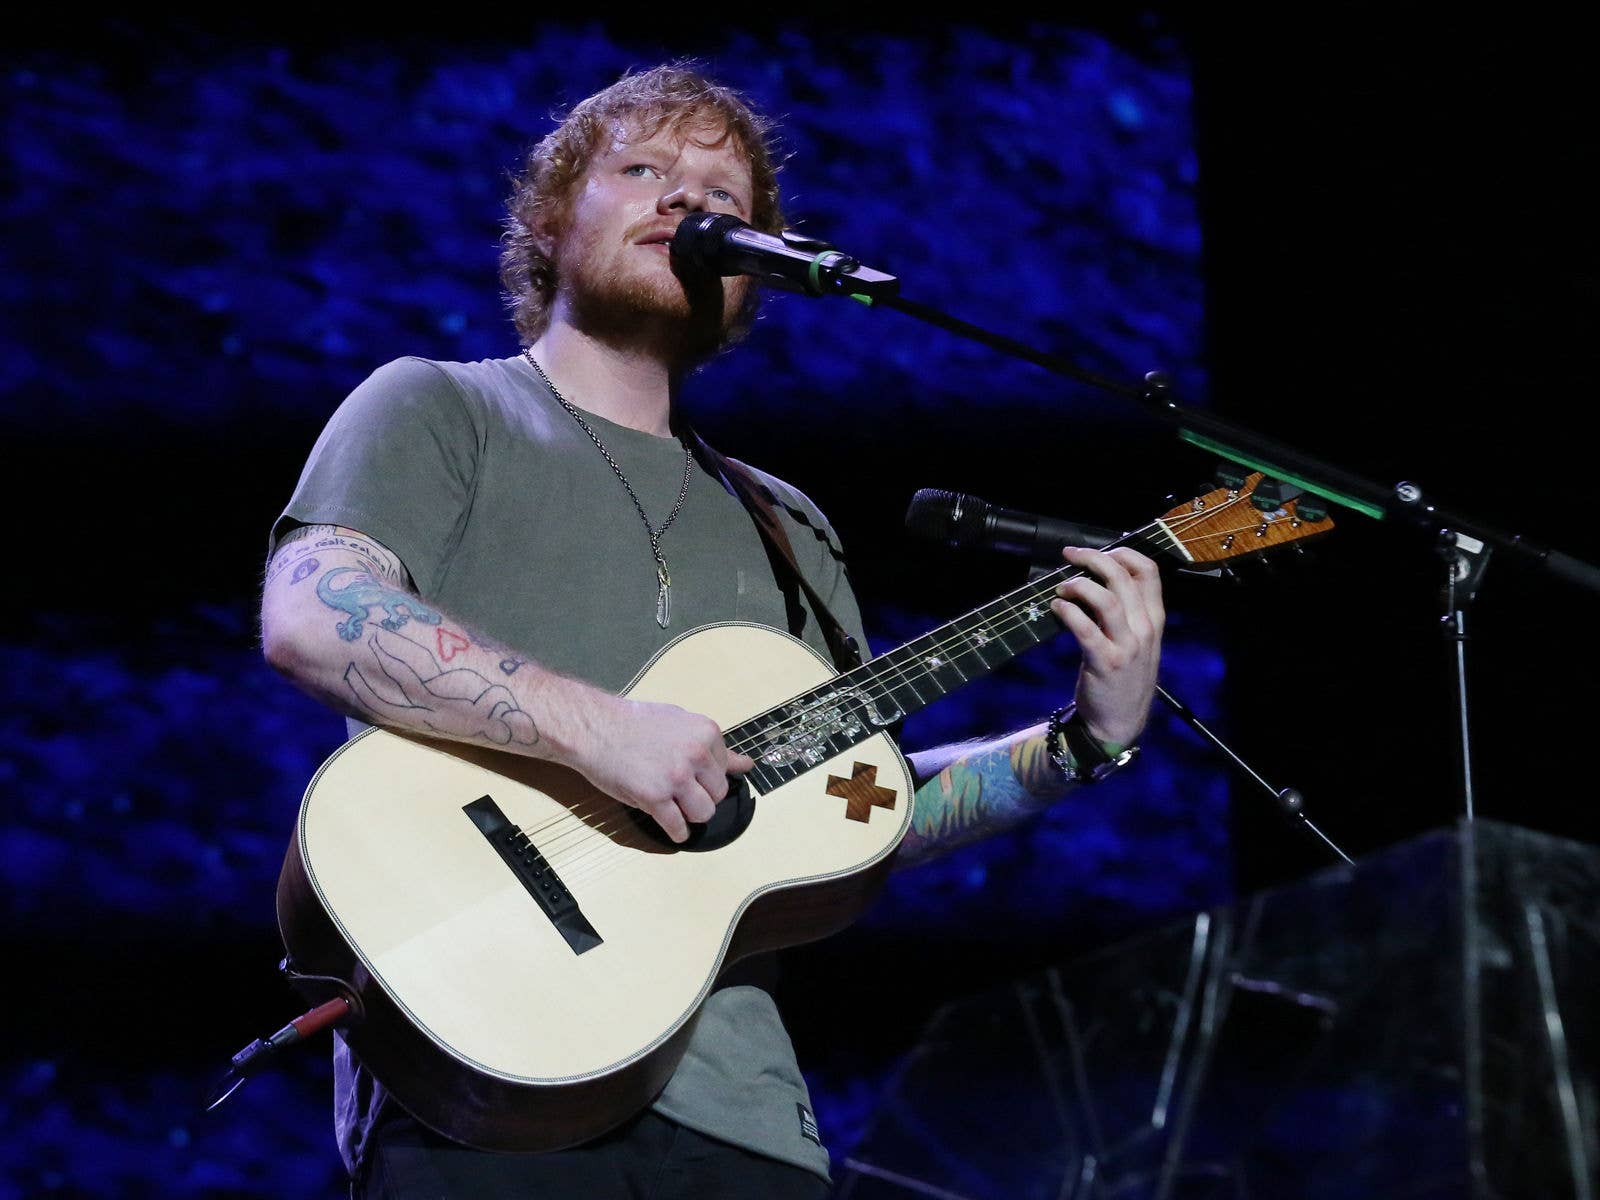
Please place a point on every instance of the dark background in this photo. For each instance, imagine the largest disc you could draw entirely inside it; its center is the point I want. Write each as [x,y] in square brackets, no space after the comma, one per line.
[1369,236]
[1401,273]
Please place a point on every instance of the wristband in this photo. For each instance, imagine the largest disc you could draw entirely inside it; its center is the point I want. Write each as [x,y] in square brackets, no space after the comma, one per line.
[1074,751]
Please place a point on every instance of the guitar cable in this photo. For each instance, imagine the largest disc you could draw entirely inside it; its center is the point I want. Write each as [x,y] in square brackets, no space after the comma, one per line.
[343,1009]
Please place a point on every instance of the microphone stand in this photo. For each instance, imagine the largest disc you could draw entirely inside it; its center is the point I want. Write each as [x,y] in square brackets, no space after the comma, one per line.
[1289,801]
[1403,502]
[1466,559]
[1466,541]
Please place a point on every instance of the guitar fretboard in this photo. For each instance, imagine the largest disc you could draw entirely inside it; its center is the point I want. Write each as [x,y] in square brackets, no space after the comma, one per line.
[791,739]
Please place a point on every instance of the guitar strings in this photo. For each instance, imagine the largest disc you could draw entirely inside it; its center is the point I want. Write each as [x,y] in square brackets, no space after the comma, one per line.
[1031,593]
[1034,590]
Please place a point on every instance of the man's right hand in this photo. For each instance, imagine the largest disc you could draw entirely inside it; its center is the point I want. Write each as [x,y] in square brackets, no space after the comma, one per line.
[661,759]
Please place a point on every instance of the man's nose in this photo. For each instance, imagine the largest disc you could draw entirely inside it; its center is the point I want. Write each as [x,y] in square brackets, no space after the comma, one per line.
[684,196]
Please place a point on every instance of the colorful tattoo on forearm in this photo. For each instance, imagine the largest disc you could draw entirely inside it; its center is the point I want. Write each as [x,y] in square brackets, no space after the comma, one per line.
[983,792]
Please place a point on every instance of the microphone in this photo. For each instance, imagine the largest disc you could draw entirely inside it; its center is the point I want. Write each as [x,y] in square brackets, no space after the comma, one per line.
[961,520]
[722,244]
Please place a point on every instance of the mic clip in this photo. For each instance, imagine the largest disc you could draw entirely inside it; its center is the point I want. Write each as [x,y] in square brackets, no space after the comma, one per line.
[805,243]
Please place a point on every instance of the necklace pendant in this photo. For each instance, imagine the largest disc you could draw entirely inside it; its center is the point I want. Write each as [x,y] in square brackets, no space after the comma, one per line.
[663,580]
[663,596]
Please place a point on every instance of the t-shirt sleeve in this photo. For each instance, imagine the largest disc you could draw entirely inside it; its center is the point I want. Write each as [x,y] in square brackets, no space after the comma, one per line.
[397,461]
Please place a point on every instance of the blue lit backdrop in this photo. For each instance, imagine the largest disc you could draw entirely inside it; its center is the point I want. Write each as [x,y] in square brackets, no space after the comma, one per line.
[210,242]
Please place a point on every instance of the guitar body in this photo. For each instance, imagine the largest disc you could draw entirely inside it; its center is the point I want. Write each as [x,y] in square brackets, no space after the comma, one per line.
[500,1019]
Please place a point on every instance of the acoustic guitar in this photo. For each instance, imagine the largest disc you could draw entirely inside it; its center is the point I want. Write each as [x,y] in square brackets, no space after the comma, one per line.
[527,955]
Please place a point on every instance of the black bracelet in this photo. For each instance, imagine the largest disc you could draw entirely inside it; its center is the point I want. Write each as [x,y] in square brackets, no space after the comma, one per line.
[1055,741]
[1074,751]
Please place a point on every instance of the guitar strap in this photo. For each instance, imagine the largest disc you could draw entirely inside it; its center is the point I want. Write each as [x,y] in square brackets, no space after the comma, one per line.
[762,970]
[762,505]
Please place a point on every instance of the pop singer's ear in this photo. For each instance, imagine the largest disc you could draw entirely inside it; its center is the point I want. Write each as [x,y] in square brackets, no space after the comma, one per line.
[550,224]
[544,233]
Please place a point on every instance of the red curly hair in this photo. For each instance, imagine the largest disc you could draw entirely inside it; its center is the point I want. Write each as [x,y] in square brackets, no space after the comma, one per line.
[674,95]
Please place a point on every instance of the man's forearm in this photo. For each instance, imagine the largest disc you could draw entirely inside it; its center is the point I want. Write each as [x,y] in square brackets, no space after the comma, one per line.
[973,790]
[339,621]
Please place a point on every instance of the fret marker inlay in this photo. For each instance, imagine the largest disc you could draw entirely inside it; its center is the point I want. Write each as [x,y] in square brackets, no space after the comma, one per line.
[813,727]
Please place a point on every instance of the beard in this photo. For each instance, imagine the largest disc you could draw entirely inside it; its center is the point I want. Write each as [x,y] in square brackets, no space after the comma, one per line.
[681,317]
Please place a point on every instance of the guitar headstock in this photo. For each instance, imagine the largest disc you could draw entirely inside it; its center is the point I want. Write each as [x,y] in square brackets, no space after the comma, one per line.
[1230,522]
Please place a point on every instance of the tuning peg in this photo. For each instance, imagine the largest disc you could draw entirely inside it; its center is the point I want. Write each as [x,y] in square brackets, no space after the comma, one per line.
[1229,475]
[1272,494]
[1311,509]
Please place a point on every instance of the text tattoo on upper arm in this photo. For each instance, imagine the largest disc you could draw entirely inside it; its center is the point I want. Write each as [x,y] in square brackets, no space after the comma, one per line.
[299,549]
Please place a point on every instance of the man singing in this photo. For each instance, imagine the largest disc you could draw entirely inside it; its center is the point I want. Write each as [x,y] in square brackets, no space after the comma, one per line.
[490,551]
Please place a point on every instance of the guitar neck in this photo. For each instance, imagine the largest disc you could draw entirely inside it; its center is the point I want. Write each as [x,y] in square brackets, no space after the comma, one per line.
[789,740]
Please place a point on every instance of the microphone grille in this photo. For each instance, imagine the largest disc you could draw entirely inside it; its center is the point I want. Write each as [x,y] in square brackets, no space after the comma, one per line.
[700,236]
[948,517]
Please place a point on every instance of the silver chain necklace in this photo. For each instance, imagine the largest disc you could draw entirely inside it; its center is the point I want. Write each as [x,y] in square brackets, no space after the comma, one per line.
[663,578]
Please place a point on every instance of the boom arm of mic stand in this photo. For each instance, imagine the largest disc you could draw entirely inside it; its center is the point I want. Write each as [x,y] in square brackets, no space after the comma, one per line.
[1403,501]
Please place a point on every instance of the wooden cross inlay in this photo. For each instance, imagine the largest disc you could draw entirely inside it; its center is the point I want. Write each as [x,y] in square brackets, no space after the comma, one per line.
[862,791]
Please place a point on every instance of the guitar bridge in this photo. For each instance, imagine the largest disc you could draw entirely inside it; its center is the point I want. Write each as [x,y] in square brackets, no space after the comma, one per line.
[536,875]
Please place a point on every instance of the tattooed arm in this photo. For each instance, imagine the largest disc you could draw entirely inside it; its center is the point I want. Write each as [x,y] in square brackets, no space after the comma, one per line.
[970,791]
[976,789]
[340,619]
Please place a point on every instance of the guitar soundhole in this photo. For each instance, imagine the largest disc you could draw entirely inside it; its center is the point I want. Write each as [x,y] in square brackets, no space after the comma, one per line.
[734,814]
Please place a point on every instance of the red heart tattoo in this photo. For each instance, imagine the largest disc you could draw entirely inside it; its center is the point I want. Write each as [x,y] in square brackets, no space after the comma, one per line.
[450,643]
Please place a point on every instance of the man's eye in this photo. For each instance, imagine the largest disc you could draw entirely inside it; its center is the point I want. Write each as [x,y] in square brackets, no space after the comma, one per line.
[640,170]
[724,195]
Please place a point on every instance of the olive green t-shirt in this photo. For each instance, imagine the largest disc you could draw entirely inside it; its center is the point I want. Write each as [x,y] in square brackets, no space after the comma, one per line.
[509,519]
